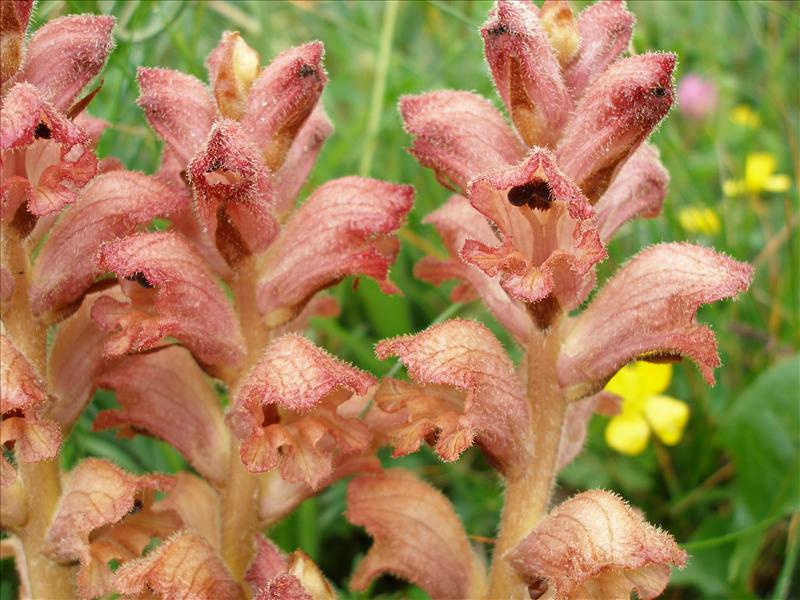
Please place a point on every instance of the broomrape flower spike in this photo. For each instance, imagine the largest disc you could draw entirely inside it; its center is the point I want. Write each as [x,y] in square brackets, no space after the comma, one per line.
[539,193]
[144,314]
[644,408]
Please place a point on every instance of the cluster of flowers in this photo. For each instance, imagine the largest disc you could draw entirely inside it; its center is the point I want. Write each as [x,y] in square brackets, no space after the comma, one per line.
[157,315]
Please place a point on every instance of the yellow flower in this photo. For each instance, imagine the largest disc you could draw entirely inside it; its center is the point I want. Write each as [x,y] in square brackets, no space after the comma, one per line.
[644,408]
[745,116]
[759,176]
[699,220]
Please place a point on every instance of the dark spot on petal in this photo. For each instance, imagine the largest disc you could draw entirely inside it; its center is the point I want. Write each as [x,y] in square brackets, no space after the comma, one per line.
[306,70]
[537,589]
[14,412]
[499,30]
[137,506]
[184,176]
[140,278]
[215,165]
[659,92]
[661,357]
[356,283]
[42,131]
[535,194]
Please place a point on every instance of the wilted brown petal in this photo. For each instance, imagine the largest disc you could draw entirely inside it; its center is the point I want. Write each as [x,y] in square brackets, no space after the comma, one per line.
[594,547]
[345,228]
[459,135]
[526,72]
[110,206]
[457,221]
[233,196]
[45,156]
[417,535]
[605,30]
[649,307]
[301,580]
[66,54]
[550,243]
[178,107]
[232,68]
[187,303]
[303,379]
[616,114]
[268,563]
[492,407]
[166,395]
[637,190]
[183,567]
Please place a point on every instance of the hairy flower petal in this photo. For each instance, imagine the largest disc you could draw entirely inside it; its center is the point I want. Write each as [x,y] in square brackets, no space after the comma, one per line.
[459,135]
[605,30]
[466,356]
[526,72]
[14,17]
[637,190]
[197,503]
[300,160]
[45,156]
[649,307]
[344,228]
[282,98]
[616,114]
[268,563]
[232,192]
[22,404]
[550,243]
[71,375]
[417,536]
[184,566]
[303,379]
[178,107]
[594,546]
[103,514]
[110,206]
[166,395]
[457,221]
[66,54]
[187,303]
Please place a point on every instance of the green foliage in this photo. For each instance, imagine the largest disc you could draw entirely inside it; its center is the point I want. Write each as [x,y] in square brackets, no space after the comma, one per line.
[727,489]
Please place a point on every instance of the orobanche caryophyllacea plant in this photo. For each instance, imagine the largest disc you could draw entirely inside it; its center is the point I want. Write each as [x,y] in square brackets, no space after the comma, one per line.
[534,209]
[155,315]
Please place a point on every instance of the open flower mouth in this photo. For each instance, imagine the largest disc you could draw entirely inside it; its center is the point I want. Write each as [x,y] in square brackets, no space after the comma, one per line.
[536,194]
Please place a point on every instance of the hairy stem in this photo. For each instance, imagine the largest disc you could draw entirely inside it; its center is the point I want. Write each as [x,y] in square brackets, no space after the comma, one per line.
[528,493]
[41,481]
[239,498]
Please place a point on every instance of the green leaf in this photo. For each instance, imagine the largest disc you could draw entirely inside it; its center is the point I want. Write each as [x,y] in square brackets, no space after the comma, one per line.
[761,432]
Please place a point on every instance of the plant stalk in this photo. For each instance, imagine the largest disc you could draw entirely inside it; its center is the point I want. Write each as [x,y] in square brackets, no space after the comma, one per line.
[239,498]
[528,493]
[41,480]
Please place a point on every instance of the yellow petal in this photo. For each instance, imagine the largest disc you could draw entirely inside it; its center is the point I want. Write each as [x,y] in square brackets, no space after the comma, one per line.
[745,116]
[623,384]
[668,417]
[758,168]
[778,183]
[699,220]
[732,187]
[652,378]
[628,433]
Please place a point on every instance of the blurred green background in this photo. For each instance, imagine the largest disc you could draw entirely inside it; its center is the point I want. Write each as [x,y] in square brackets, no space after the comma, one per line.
[729,491]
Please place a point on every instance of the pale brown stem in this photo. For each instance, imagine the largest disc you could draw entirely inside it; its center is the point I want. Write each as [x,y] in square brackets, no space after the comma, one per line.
[42,480]
[528,493]
[239,498]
